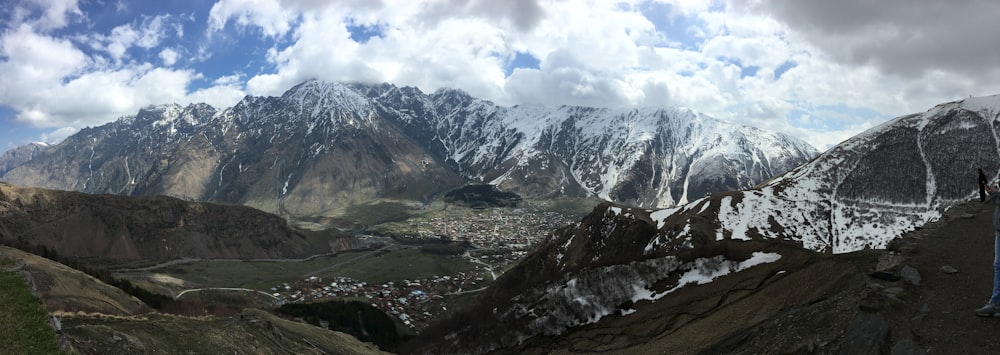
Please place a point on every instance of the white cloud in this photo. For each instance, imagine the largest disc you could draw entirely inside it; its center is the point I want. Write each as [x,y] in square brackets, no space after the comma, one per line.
[522,15]
[229,80]
[146,35]
[58,135]
[153,31]
[855,64]
[270,16]
[52,82]
[219,96]
[55,14]
[31,57]
[121,38]
[903,42]
[169,56]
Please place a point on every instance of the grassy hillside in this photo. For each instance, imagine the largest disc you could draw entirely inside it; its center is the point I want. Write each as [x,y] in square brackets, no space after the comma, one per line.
[66,289]
[24,324]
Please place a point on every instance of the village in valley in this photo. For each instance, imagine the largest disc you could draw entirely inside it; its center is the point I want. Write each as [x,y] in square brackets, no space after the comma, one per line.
[496,239]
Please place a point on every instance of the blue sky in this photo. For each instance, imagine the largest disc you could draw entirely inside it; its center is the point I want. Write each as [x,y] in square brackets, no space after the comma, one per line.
[818,70]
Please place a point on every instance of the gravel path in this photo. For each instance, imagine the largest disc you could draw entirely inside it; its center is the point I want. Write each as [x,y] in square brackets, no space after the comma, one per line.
[938,314]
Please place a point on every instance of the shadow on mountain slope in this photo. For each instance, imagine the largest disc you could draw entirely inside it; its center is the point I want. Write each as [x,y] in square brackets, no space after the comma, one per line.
[716,315]
[834,304]
[868,302]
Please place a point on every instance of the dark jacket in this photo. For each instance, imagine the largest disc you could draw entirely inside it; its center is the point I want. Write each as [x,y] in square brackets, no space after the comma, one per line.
[996,211]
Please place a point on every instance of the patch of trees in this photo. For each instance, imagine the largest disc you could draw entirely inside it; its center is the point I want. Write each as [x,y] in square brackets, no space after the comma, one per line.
[482,196]
[151,299]
[356,318]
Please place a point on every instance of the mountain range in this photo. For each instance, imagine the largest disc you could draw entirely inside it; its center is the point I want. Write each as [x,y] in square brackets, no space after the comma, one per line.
[860,195]
[323,147]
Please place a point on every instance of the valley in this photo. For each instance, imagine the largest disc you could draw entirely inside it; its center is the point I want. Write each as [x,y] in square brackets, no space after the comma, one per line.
[416,270]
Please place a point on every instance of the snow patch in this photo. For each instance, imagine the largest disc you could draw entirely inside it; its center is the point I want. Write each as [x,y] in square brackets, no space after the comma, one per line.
[594,293]
[706,270]
[660,216]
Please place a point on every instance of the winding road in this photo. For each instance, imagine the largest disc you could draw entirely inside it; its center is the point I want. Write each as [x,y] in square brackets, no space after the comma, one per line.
[194,260]
[178,296]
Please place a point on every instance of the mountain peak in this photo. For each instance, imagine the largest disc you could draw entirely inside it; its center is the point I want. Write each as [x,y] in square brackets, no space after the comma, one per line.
[157,111]
[317,95]
[20,155]
[452,96]
[986,104]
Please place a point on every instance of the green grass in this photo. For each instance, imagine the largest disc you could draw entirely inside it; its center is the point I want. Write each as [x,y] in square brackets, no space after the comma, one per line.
[372,267]
[24,324]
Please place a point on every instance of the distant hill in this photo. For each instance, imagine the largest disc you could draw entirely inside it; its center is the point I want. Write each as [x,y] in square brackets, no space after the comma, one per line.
[120,229]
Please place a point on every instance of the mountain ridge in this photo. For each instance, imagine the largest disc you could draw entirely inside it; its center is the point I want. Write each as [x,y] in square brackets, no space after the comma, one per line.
[325,146]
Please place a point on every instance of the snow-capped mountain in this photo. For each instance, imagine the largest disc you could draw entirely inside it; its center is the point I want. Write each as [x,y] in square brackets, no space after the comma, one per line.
[650,157]
[869,189]
[20,155]
[323,146]
[861,194]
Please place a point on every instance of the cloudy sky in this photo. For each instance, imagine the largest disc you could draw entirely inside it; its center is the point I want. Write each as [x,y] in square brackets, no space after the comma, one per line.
[820,70]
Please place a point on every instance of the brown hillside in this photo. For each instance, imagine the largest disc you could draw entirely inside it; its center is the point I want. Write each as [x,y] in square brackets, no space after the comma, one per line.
[117,229]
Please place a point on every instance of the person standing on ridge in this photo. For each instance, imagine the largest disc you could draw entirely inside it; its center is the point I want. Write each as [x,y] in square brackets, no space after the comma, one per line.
[992,307]
[982,186]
